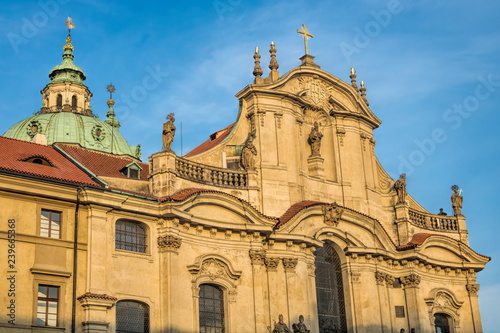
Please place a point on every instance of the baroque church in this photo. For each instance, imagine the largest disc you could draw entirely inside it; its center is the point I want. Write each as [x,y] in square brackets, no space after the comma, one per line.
[284,221]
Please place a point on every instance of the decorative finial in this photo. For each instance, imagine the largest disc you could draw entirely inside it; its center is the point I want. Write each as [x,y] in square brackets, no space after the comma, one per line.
[111,120]
[273,65]
[363,93]
[257,70]
[306,35]
[69,23]
[353,79]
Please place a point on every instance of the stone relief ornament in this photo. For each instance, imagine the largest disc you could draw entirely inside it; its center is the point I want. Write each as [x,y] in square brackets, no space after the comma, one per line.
[290,263]
[213,268]
[412,280]
[272,263]
[33,128]
[472,289]
[332,213]
[171,243]
[257,256]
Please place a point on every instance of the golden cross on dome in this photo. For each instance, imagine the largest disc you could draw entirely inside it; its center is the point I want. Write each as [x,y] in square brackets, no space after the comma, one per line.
[306,35]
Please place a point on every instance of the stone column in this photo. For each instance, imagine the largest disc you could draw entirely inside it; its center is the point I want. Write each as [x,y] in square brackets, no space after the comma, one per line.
[411,289]
[472,290]
[96,312]
[261,311]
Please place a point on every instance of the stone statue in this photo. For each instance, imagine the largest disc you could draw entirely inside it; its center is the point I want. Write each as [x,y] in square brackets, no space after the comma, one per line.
[248,153]
[333,213]
[300,327]
[456,201]
[168,133]
[314,140]
[280,326]
[400,187]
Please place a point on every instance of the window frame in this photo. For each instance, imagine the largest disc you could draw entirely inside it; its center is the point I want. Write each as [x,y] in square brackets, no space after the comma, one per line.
[123,233]
[48,299]
[50,220]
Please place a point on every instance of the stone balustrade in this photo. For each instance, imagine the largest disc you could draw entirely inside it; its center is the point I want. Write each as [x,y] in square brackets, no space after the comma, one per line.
[433,222]
[205,174]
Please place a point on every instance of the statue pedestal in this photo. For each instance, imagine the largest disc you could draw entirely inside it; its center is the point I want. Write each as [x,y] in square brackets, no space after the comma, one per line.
[316,166]
[403,223]
[162,177]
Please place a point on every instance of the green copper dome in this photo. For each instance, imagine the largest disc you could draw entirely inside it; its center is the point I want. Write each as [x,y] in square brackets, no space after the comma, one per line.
[73,128]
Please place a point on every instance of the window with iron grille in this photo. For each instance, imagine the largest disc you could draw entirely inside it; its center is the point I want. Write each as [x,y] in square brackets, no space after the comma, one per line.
[47,305]
[329,291]
[132,317]
[50,224]
[130,236]
[211,309]
[400,311]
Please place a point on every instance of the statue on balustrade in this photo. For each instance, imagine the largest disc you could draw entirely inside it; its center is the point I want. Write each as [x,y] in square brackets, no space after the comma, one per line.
[168,133]
[456,201]
[300,327]
[400,187]
[248,153]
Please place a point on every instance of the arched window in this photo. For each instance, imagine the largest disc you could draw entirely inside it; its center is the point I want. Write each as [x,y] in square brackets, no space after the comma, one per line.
[329,291]
[442,323]
[59,101]
[73,101]
[132,317]
[130,236]
[211,309]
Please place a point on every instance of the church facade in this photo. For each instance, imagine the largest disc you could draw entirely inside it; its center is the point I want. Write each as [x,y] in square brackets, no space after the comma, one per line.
[284,221]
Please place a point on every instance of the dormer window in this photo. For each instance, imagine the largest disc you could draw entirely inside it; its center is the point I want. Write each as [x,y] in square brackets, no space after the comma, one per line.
[133,171]
[38,160]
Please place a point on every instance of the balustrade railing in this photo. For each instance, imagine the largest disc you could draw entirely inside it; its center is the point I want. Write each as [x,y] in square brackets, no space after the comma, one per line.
[433,222]
[205,174]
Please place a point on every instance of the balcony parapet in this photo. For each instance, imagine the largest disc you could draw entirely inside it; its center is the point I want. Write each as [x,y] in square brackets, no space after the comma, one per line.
[433,222]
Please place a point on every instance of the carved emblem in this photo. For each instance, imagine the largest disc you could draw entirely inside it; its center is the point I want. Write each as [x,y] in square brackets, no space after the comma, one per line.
[98,133]
[213,268]
[33,128]
[313,90]
[332,213]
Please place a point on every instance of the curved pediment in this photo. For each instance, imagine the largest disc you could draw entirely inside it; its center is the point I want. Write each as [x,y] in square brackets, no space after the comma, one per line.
[315,89]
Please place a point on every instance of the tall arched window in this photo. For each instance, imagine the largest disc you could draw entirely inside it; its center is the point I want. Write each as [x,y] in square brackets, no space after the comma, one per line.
[442,323]
[130,236]
[211,309]
[329,291]
[132,317]
[73,102]
[59,101]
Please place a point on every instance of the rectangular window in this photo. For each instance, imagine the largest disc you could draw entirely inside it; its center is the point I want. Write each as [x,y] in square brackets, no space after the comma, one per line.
[47,306]
[50,224]
[400,311]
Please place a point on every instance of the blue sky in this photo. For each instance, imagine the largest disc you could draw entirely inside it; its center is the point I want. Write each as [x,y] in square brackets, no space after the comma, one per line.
[431,71]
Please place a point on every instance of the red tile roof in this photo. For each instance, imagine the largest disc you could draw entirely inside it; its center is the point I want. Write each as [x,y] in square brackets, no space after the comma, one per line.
[417,239]
[103,164]
[14,152]
[213,141]
[293,210]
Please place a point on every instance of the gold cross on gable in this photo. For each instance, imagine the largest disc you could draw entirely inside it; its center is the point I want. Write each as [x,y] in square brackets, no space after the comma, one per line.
[306,35]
